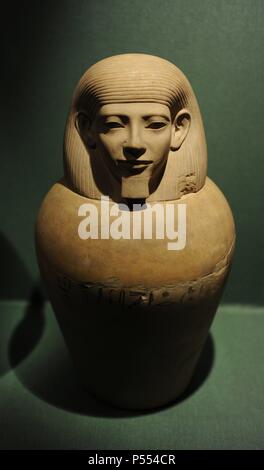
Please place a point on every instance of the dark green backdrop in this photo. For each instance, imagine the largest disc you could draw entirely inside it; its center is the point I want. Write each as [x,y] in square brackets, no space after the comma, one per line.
[48,45]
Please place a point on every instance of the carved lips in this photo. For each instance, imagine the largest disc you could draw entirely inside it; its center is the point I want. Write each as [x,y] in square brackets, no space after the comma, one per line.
[133,167]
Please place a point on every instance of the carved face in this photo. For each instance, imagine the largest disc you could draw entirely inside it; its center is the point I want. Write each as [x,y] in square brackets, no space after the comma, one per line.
[134,140]
[129,115]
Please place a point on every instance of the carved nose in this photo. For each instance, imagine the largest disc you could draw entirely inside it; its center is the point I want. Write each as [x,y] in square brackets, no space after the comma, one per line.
[134,152]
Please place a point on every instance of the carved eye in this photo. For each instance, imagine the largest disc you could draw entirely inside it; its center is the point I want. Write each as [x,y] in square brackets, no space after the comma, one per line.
[156,125]
[113,125]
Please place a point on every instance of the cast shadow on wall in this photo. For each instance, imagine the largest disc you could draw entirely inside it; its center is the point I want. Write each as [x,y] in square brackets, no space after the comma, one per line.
[16,283]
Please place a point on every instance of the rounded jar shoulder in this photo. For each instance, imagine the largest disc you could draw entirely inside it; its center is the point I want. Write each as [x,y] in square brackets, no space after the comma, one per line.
[210,235]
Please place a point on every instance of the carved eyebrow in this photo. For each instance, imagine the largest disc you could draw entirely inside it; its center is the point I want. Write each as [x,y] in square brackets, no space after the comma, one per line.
[163,116]
[113,115]
[146,117]
[123,118]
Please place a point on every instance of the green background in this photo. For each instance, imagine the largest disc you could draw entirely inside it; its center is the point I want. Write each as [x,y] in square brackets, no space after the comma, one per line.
[218,44]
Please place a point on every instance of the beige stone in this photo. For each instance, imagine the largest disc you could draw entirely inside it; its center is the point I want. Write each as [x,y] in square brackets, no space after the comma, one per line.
[134,314]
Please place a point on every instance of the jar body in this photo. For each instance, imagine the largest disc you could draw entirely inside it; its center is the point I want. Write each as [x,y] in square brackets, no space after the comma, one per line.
[134,314]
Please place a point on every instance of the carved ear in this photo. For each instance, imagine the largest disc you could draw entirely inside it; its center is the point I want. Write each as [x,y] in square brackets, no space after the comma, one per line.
[84,128]
[180,128]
